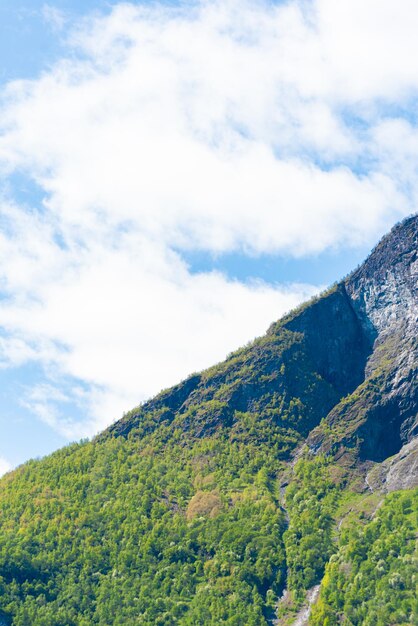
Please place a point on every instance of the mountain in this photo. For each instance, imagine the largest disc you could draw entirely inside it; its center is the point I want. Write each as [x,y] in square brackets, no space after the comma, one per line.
[284,477]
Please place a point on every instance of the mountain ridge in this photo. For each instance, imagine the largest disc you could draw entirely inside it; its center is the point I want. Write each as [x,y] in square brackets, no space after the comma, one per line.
[345,339]
[283,474]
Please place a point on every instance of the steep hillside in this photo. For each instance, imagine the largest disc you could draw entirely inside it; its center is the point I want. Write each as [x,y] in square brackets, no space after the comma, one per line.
[225,499]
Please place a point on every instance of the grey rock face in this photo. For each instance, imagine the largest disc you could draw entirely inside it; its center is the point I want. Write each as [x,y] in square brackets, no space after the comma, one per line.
[380,416]
[384,293]
[397,472]
[335,340]
[384,290]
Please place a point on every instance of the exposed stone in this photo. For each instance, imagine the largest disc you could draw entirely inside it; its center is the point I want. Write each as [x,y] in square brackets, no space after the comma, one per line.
[380,416]
[397,472]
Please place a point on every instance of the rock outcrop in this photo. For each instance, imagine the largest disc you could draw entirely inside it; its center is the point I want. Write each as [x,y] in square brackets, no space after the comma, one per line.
[380,416]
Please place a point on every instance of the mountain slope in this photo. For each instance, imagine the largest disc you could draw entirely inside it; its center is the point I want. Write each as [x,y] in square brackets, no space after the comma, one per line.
[382,413]
[204,504]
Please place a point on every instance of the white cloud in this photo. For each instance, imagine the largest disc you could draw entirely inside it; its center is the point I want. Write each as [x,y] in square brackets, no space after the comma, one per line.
[4,466]
[215,126]
[53,16]
[132,320]
[47,402]
[194,127]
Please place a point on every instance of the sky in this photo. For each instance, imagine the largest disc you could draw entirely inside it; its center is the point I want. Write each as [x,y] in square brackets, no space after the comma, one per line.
[174,177]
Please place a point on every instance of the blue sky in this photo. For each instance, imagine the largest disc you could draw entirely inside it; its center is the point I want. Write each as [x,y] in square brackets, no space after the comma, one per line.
[172,181]
[28,43]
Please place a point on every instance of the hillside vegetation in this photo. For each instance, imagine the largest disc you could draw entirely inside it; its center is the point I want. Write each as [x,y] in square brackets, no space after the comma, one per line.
[227,498]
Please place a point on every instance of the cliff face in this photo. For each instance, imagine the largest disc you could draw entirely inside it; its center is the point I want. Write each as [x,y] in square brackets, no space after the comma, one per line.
[335,340]
[380,416]
[292,377]
[341,370]
[384,290]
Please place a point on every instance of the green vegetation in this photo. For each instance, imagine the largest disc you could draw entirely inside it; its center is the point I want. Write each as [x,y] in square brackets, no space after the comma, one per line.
[372,579]
[173,516]
[311,500]
[190,511]
[137,532]
[272,378]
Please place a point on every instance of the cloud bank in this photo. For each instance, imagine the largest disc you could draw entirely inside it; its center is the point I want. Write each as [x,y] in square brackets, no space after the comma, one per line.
[220,127]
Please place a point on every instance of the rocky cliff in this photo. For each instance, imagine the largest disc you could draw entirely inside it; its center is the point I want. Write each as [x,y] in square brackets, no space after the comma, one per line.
[380,416]
[341,370]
